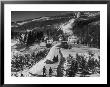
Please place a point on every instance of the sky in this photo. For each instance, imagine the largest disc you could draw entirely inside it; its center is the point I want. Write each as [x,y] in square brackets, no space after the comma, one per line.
[23,15]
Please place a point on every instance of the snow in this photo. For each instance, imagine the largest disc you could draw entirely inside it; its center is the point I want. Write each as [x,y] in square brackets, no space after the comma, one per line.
[54,51]
[22,23]
[13,42]
[37,68]
[66,27]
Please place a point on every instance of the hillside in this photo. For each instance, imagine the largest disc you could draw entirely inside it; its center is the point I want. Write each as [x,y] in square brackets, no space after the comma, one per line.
[84,25]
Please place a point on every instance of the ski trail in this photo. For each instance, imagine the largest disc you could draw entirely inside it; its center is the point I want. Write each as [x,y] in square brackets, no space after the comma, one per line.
[66,27]
[37,68]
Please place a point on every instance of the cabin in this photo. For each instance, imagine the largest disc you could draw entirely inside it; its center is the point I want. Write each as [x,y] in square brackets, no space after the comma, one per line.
[49,43]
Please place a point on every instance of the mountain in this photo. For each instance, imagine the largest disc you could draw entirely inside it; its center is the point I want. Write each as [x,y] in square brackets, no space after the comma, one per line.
[73,23]
[55,20]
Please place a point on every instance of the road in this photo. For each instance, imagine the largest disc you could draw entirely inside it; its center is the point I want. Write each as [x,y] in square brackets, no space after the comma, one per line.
[38,67]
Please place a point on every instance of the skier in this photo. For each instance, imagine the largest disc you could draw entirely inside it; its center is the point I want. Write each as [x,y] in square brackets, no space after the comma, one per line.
[50,71]
[44,71]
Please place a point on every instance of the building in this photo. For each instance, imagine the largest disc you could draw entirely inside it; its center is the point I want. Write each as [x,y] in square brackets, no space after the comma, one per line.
[43,44]
[72,39]
[49,41]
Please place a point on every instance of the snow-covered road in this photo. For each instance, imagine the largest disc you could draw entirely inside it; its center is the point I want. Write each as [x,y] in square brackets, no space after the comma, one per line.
[37,68]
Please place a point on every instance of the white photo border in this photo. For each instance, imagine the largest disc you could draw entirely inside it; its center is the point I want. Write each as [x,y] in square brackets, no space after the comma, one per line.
[55,7]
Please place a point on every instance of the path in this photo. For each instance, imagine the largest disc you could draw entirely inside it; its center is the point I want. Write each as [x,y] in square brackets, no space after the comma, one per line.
[37,68]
